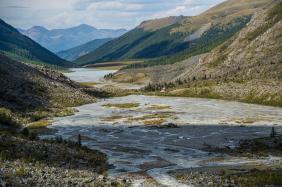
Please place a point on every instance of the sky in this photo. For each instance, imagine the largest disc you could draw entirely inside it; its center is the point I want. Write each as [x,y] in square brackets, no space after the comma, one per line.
[110,14]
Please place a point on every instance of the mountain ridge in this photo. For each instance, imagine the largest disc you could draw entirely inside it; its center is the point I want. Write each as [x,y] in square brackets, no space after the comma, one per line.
[247,67]
[78,51]
[62,39]
[168,36]
[22,48]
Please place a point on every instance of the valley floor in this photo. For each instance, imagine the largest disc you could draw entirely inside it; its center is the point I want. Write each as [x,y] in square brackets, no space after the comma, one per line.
[155,141]
[149,141]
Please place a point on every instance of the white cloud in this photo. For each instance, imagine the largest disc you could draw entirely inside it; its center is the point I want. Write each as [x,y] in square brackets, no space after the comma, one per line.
[99,13]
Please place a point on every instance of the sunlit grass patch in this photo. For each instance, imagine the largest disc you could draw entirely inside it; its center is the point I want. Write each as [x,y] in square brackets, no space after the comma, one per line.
[154,121]
[88,83]
[246,121]
[40,124]
[8,118]
[122,105]
[159,107]
[65,112]
[115,117]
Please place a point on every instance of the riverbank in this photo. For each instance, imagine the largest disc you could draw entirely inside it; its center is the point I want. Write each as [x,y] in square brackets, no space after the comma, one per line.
[267,171]
[54,162]
[148,137]
[30,99]
[153,140]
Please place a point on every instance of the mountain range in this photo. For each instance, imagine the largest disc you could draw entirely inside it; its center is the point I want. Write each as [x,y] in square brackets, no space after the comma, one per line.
[21,48]
[247,67]
[62,39]
[78,51]
[184,36]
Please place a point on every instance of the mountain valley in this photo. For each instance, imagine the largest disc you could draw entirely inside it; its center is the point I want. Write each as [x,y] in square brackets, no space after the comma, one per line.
[177,101]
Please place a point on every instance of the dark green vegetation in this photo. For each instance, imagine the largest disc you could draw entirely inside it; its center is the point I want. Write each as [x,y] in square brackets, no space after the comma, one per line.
[76,52]
[174,39]
[208,41]
[21,48]
[130,45]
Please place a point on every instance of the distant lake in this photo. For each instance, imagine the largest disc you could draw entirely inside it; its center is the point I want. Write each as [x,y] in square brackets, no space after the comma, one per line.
[87,74]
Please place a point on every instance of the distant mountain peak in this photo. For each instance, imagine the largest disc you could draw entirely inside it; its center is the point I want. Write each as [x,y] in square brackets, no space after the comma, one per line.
[13,43]
[155,24]
[85,26]
[62,39]
[38,28]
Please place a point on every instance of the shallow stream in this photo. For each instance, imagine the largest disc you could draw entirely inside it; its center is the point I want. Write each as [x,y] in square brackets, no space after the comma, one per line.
[134,147]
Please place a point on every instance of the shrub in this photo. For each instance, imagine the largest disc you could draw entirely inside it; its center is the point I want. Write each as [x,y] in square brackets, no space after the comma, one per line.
[7,118]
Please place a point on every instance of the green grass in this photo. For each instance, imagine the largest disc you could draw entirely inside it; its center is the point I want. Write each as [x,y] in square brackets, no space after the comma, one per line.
[65,112]
[208,41]
[88,83]
[263,99]
[159,107]
[19,58]
[154,122]
[14,42]
[8,118]
[122,105]
[153,119]
[21,172]
[40,124]
[114,117]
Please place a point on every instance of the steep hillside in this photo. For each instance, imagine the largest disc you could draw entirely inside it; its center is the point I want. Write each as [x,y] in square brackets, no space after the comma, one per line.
[32,93]
[62,39]
[36,94]
[184,36]
[22,48]
[76,52]
[247,67]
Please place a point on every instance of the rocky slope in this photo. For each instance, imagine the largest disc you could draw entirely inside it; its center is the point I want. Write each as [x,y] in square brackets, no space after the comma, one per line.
[247,67]
[180,36]
[62,39]
[35,92]
[51,163]
[22,48]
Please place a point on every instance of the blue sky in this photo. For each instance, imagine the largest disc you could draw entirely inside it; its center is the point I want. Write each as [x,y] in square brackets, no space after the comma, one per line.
[99,13]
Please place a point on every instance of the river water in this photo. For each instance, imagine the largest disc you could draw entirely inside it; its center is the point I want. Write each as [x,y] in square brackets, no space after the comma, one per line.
[134,147]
